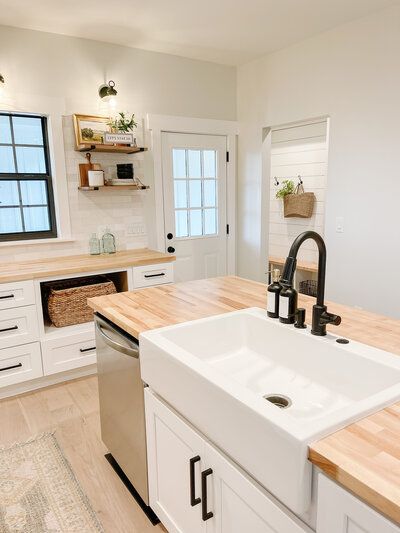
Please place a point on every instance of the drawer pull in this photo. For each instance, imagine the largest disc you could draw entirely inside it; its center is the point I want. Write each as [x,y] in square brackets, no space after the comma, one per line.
[8,329]
[82,350]
[10,367]
[193,500]
[8,297]
[155,275]
[205,514]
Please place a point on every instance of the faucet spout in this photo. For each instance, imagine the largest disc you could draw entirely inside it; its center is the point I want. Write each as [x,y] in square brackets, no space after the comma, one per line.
[321,317]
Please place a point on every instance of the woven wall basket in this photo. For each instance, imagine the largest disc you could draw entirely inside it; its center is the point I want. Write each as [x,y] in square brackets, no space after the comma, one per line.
[300,204]
[67,300]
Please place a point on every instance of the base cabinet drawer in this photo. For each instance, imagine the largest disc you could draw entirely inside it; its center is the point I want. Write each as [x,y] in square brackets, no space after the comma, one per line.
[20,363]
[149,275]
[194,488]
[16,294]
[338,511]
[66,353]
[18,326]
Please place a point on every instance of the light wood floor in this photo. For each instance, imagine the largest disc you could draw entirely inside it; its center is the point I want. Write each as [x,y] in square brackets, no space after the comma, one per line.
[72,410]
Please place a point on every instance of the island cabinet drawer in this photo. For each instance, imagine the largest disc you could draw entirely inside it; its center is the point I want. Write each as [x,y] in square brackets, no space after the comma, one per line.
[18,326]
[66,353]
[149,275]
[16,294]
[338,511]
[20,363]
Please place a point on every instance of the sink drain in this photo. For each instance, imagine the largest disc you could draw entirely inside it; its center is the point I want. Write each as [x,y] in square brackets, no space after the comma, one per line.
[283,402]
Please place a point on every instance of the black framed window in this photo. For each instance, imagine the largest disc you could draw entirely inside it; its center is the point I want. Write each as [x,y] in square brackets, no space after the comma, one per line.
[26,191]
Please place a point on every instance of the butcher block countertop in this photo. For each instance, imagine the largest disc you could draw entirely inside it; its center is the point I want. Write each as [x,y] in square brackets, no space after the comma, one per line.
[365,456]
[75,264]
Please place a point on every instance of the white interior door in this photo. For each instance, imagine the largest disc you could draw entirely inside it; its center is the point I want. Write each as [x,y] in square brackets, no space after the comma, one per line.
[194,182]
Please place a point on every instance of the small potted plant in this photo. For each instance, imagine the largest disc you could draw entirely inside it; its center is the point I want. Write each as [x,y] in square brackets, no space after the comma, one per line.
[123,123]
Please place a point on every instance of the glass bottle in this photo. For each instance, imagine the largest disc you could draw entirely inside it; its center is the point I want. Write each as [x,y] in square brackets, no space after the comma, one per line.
[108,240]
[94,245]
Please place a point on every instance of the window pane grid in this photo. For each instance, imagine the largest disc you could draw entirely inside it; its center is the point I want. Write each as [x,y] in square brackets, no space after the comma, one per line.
[195,192]
[26,195]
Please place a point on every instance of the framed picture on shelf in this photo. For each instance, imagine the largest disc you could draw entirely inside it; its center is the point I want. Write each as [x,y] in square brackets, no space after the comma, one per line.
[90,129]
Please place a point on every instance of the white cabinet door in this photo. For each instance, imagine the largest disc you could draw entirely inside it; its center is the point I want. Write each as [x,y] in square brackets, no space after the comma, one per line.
[171,444]
[339,511]
[18,326]
[239,506]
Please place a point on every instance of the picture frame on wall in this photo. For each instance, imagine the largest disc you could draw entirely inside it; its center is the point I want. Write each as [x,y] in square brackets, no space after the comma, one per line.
[90,129]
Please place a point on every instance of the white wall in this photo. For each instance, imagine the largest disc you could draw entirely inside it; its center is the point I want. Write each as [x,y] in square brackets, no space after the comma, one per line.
[53,68]
[350,74]
[297,150]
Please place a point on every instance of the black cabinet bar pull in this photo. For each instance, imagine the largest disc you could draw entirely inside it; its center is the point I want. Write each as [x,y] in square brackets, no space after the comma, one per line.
[82,350]
[8,329]
[205,514]
[6,297]
[154,275]
[193,500]
[10,367]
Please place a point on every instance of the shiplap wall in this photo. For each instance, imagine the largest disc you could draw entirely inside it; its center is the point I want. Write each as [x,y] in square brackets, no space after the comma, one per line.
[298,150]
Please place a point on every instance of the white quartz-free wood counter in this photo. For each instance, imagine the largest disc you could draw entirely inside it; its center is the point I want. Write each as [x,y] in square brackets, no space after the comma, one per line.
[76,264]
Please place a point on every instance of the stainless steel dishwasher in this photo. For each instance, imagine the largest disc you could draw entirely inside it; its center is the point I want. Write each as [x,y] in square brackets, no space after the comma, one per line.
[121,397]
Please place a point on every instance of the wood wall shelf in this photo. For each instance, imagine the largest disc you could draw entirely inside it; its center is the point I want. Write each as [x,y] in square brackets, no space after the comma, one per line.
[117,188]
[109,148]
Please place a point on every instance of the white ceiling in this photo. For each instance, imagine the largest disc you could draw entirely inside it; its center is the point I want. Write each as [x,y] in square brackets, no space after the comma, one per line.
[223,31]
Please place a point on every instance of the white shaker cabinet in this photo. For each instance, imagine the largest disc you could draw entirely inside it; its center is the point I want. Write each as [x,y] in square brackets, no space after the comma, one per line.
[341,512]
[195,488]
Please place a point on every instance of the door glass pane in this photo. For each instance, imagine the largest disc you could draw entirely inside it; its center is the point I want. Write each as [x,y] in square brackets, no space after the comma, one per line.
[36,219]
[209,157]
[33,192]
[6,159]
[196,228]
[30,160]
[180,193]
[5,130]
[209,187]
[210,221]
[27,130]
[181,223]
[179,163]
[195,193]
[194,165]
[8,193]
[10,220]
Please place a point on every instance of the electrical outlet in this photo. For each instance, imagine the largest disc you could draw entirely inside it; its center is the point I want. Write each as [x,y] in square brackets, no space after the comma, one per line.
[339,224]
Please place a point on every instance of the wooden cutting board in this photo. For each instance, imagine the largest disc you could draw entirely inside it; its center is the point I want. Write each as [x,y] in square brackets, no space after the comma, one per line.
[84,169]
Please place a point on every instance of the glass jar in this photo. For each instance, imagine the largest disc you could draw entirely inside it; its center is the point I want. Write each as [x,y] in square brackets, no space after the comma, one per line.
[94,245]
[108,241]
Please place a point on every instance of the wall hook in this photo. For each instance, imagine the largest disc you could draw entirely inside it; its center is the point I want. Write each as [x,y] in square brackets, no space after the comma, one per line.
[276,181]
[300,180]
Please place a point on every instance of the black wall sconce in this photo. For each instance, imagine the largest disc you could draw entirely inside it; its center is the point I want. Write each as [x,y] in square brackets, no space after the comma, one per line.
[107,90]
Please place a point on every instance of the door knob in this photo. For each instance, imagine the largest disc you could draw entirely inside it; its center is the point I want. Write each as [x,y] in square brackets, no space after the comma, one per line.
[170,236]
[170,249]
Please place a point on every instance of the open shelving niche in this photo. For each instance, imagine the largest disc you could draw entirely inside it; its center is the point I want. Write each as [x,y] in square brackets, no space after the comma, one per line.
[121,281]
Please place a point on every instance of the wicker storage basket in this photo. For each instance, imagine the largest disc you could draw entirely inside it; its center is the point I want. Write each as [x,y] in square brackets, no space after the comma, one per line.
[309,287]
[300,204]
[67,300]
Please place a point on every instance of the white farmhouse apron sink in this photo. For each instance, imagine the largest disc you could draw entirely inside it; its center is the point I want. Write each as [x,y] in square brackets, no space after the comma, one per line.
[218,371]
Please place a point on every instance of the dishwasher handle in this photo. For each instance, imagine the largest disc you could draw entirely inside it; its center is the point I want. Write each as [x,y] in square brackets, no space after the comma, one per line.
[132,352]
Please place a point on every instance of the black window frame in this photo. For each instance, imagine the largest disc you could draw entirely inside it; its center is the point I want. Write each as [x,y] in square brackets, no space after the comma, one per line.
[17,176]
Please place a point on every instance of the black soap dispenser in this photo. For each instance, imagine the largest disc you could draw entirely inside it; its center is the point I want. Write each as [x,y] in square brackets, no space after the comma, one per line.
[287,305]
[273,293]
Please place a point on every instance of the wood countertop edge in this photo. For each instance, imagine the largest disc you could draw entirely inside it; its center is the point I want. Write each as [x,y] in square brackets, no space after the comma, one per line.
[104,263]
[351,481]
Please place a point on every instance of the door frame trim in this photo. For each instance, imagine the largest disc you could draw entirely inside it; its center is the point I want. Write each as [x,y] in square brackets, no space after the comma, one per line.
[159,124]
